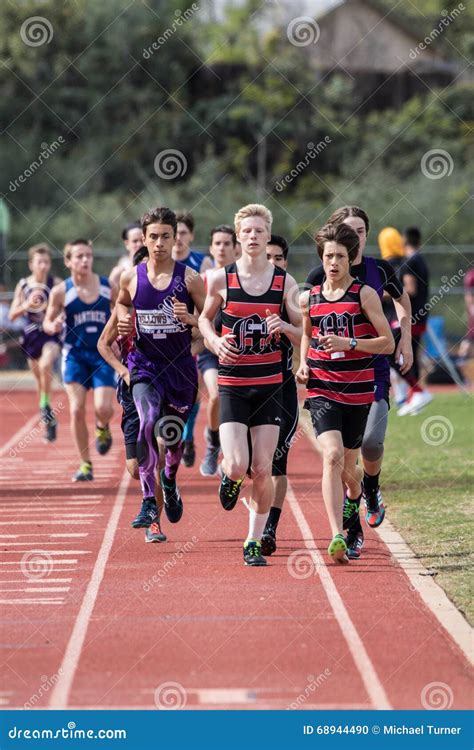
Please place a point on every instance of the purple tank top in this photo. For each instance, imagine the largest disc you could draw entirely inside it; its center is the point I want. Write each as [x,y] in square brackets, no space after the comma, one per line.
[160,336]
[381,362]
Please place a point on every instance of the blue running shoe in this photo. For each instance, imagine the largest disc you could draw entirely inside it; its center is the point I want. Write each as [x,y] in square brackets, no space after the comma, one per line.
[154,533]
[148,514]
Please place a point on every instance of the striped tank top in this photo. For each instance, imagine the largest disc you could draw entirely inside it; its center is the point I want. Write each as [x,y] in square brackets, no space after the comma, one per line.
[244,315]
[346,377]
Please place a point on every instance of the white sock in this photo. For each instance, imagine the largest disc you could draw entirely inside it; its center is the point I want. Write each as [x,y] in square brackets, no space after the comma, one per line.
[257,523]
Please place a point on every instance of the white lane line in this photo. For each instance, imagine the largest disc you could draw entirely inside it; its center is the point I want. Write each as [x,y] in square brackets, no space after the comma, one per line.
[53,600]
[53,562]
[61,691]
[432,594]
[33,521]
[370,679]
[51,552]
[32,590]
[21,433]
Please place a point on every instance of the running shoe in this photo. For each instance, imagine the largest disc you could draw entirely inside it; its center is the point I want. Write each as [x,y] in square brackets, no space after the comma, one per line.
[253,554]
[84,474]
[350,514]
[268,542]
[355,542]
[49,420]
[229,490]
[415,404]
[208,467]
[338,549]
[375,509]
[103,439]
[154,533]
[189,453]
[172,498]
[148,514]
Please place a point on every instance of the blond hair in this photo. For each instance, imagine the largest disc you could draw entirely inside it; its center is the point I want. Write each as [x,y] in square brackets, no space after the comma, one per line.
[253,209]
[41,249]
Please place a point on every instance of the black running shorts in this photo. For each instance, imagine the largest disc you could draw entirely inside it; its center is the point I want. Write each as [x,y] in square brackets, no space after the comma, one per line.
[288,425]
[349,420]
[130,423]
[253,405]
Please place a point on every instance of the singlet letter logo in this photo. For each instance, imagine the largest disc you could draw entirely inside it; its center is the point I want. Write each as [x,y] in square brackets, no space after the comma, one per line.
[252,337]
[337,325]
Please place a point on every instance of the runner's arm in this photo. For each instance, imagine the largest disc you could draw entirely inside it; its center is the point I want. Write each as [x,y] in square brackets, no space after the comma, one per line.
[206,264]
[54,317]
[125,324]
[222,346]
[19,305]
[302,373]
[104,346]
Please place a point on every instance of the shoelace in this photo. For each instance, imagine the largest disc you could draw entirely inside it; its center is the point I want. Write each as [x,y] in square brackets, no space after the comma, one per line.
[349,509]
[232,486]
[253,550]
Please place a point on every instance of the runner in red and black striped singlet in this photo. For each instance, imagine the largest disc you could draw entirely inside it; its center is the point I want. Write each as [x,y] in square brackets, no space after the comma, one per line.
[244,316]
[346,377]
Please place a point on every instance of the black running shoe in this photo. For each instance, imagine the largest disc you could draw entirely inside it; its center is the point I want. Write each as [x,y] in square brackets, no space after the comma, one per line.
[350,514]
[148,514]
[229,492]
[268,542]
[253,554]
[189,453]
[355,542]
[49,420]
[84,474]
[154,533]
[172,499]
[103,439]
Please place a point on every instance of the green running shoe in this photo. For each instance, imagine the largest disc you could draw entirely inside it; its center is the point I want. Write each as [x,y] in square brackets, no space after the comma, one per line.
[338,549]
[103,439]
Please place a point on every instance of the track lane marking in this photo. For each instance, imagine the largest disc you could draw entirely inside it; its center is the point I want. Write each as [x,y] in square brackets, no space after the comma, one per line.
[368,674]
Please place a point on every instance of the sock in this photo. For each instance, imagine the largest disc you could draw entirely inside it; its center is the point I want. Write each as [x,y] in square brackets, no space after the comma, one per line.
[85,467]
[371,483]
[257,523]
[188,431]
[213,438]
[274,517]
[172,461]
[44,400]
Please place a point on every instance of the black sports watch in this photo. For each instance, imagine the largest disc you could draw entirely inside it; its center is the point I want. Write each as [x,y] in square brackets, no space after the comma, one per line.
[352,344]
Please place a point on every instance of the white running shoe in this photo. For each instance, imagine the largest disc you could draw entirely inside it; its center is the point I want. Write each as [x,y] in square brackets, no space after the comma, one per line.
[418,401]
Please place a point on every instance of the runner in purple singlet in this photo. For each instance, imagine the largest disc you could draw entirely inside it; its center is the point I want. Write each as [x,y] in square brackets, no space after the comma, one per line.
[163,377]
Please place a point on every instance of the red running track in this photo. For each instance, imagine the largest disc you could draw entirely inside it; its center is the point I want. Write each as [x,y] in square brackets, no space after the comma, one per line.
[92,617]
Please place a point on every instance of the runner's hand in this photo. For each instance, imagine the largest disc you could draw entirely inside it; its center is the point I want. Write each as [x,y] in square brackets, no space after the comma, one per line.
[274,324]
[226,350]
[332,343]
[58,323]
[125,325]
[404,348]
[302,374]
[181,312]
